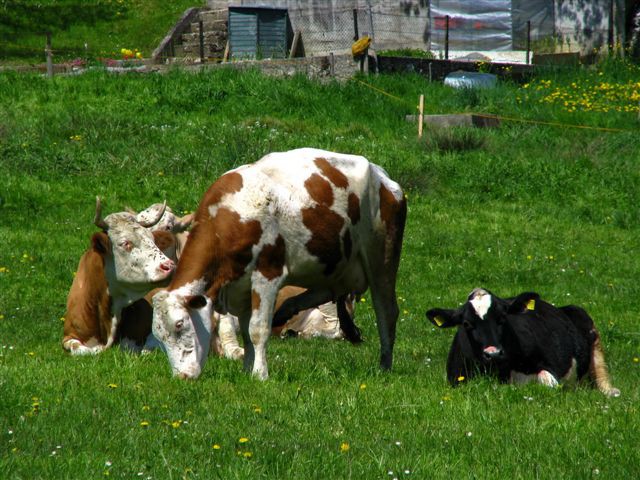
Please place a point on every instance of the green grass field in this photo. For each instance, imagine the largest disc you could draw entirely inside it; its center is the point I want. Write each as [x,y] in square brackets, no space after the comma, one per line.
[527,206]
[140,24]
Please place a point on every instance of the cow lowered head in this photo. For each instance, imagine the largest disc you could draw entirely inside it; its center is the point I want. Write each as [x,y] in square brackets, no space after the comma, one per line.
[522,339]
[131,255]
[187,332]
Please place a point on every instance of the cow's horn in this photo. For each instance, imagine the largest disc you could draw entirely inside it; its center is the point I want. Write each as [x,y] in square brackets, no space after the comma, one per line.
[153,221]
[98,220]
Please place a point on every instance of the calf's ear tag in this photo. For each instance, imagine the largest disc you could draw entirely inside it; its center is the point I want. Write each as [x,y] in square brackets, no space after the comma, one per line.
[531,304]
[439,321]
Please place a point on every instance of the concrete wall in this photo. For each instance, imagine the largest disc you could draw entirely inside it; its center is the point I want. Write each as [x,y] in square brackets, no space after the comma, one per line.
[328,25]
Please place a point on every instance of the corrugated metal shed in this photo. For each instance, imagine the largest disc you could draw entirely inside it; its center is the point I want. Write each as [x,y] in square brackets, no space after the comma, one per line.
[259,32]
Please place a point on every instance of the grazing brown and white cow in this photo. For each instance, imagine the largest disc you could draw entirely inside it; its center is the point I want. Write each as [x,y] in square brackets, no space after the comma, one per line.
[95,301]
[329,222]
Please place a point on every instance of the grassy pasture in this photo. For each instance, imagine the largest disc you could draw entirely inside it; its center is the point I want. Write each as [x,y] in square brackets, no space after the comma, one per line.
[139,24]
[523,207]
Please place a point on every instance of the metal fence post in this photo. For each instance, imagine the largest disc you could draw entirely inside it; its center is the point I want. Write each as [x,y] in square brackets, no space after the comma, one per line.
[528,40]
[446,37]
[355,24]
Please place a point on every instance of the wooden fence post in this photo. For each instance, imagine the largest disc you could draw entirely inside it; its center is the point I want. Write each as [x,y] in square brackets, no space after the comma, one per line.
[49,55]
[201,37]
[420,115]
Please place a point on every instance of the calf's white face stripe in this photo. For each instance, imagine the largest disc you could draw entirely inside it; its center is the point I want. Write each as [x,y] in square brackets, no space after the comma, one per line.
[481,302]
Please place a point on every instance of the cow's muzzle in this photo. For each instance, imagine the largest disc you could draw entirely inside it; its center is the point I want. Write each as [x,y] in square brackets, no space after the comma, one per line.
[167,267]
[493,353]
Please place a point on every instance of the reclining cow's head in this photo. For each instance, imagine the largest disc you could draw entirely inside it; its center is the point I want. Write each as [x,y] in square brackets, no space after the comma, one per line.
[483,318]
[131,255]
[182,323]
[168,221]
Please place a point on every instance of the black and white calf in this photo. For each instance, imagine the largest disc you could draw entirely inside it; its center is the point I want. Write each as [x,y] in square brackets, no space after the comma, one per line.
[522,339]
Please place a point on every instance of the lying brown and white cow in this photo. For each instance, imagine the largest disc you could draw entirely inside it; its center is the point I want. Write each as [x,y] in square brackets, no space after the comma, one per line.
[321,321]
[124,262]
[329,222]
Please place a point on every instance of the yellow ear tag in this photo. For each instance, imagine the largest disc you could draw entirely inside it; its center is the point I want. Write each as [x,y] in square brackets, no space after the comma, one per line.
[531,304]
[438,320]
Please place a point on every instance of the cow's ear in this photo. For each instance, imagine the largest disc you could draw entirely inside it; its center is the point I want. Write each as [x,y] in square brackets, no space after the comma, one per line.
[442,318]
[100,243]
[183,223]
[523,302]
[197,302]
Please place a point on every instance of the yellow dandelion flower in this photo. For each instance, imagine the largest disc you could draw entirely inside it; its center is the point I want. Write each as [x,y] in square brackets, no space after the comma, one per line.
[247,454]
[216,446]
[144,424]
[176,423]
[636,360]
[345,447]
[243,440]
[461,378]
[112,385]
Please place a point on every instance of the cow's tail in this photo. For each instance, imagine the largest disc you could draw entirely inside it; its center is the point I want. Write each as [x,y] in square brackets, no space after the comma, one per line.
[598,369]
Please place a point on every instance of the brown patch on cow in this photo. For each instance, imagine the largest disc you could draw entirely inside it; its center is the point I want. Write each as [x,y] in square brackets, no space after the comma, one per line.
[353,208]
[164,240]
[336,177]
[88,312]
[346,243]
[325,226]
[228,183]
[319,190]
[217,250]
[256,300]
[271,259]
[388,204]
[393,213]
